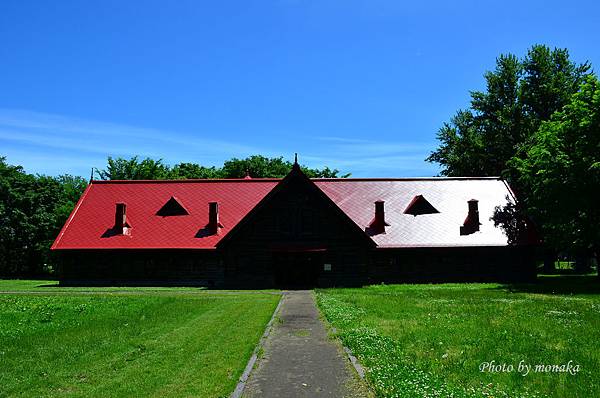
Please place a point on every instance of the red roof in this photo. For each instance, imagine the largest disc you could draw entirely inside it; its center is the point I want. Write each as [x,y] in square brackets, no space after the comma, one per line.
[449,196]
[94,214]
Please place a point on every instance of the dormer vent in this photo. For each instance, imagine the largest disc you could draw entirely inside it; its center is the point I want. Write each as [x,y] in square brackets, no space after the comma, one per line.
[471,223]
[419,205]
[378,224]
[172,207]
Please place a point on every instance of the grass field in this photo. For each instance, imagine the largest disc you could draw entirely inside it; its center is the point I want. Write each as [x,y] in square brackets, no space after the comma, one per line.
[162,342]
[431,340]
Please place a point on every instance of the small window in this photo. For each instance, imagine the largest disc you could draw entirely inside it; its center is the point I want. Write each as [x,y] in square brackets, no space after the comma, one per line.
[172,208]
[419,205]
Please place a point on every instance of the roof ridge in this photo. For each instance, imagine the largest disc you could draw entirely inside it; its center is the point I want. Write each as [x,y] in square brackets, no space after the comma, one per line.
[406,178]
[247,180]
[186,180]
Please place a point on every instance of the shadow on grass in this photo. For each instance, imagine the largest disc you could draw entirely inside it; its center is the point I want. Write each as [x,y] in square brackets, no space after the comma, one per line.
[123,286]
[558,284]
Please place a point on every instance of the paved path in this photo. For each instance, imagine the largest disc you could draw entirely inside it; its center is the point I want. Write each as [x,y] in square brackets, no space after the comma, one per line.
[299,358]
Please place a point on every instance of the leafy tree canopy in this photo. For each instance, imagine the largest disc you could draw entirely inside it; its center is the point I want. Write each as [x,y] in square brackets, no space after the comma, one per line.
[256,166]
[561,168]
[32,211]
[134,169]
[520,94]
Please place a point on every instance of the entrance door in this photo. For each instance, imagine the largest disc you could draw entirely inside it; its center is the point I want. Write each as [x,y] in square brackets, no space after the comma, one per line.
[296,270]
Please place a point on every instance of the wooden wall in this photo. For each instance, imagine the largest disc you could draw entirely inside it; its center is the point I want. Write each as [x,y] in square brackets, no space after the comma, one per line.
[252,264]
[141,267]
[454,264]
[296,219]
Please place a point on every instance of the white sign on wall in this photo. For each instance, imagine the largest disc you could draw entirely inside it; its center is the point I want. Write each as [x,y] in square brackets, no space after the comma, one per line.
[327,267]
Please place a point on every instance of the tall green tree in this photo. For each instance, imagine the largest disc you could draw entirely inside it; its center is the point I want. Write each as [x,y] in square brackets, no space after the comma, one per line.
[561,168]
[520,94]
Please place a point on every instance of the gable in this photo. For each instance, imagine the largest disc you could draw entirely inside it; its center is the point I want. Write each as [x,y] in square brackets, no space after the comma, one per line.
[296,211]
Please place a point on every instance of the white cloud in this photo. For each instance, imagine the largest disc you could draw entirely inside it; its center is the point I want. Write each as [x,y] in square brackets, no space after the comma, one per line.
[56,144]
[371,158]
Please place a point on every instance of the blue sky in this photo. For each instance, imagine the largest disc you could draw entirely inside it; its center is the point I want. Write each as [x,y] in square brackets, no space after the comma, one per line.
[362,86]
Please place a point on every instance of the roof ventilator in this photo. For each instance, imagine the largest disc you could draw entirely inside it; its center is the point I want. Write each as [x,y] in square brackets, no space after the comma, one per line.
[121,226]
[378,224]
[471,224]
[213,219]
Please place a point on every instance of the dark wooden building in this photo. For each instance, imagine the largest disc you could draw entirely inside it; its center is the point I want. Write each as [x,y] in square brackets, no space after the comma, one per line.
[290,232]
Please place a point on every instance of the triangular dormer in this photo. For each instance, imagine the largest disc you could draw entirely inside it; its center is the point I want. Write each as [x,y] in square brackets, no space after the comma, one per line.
[419,205]
[172,207]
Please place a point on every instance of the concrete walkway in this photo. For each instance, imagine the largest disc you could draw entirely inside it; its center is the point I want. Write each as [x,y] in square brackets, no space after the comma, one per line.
[300,360]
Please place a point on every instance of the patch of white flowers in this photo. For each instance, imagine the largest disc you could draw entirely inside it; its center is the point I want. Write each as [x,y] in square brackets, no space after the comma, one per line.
[388,370]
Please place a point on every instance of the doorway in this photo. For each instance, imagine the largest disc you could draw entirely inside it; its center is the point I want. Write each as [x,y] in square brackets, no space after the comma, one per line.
[297,270]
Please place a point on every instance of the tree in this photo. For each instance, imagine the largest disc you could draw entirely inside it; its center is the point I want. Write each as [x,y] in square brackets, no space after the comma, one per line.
[561,168]
[462,149]
[325,172]
[133,169]
[15,229]
[193,170]
[519,96]
[32,211]
[256,166]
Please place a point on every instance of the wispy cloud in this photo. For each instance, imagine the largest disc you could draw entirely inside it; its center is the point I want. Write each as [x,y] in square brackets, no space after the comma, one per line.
[30,135]
[74,133]
[366,157]
[56,144]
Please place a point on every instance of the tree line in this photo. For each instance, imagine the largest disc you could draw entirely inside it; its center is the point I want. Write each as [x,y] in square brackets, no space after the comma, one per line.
[33,208]
[537,124]
[256,166]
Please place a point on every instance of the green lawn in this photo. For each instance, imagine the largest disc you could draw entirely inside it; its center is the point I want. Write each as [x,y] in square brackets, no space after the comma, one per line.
[167,342]
[430,340]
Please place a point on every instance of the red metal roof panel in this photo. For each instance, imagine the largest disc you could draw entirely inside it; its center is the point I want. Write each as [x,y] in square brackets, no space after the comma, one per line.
[95,213]
[448,195]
